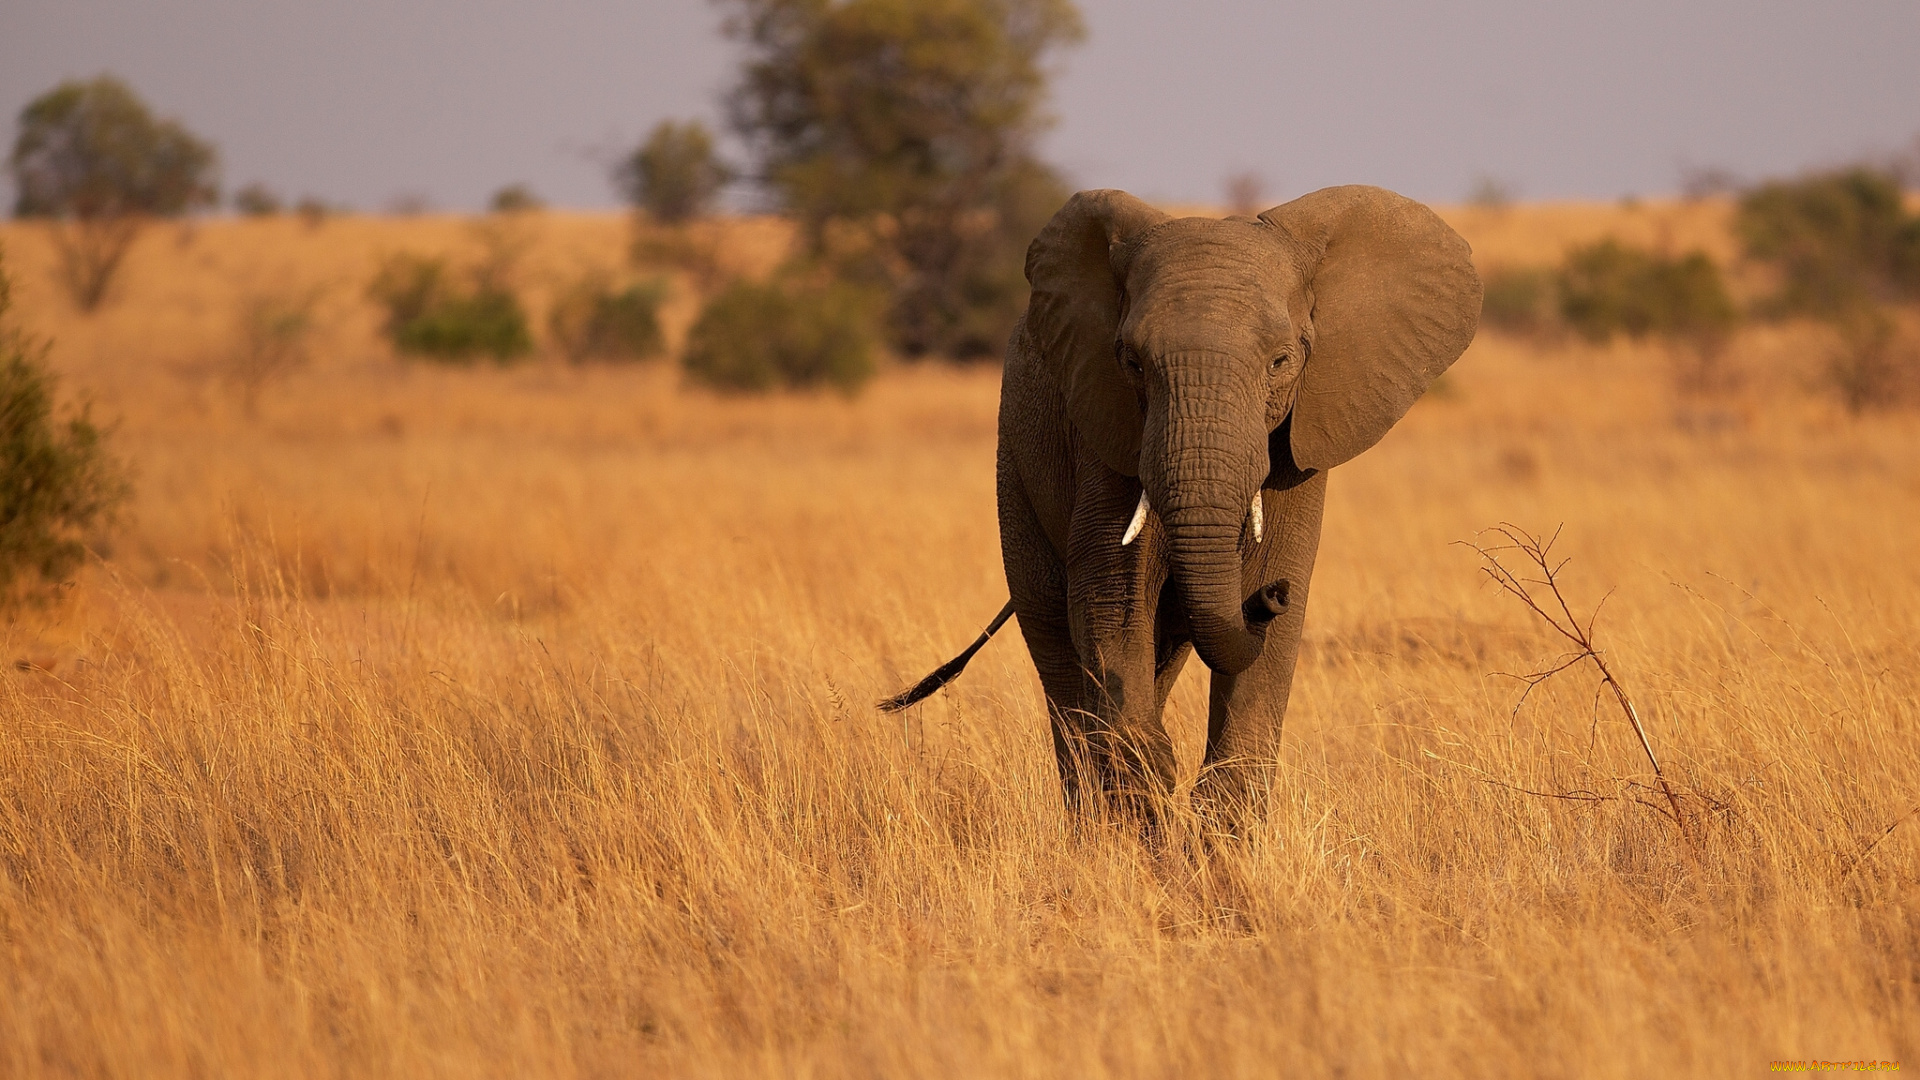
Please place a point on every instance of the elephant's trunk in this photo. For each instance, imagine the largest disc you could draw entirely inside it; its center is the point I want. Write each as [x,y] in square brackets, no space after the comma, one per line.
[1205,456]
[1204,544]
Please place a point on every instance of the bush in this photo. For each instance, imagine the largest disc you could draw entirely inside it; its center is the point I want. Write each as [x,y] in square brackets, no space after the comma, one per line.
[1873,365]
[271,340]
[57,482]
[1519,299]
[675,175]
[1607,287]
[757,337]
[428,315]
[1840,239]
[593,321]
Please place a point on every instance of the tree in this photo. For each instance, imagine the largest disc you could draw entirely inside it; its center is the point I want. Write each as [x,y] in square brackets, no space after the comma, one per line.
[515,199]
[675,175]
[257,200]
[902,132]
[92,158]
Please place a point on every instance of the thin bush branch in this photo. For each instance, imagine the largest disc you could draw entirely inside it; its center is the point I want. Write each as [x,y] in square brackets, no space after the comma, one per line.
[1543,596]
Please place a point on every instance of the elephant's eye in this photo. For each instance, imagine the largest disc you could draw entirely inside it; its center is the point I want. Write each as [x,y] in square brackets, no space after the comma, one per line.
[1279,362]
[1127,358]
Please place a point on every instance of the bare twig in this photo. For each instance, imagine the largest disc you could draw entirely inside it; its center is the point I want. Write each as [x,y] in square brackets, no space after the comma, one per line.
[1542,596]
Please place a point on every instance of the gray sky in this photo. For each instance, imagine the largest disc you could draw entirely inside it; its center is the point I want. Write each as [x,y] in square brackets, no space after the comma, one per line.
[364,101]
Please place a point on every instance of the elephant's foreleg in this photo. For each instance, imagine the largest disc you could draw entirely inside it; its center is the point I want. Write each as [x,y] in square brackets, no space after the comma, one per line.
[1037,581]
[1113,593]
[1245,711]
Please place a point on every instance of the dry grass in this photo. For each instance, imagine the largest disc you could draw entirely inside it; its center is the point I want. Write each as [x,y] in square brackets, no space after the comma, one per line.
[517,723]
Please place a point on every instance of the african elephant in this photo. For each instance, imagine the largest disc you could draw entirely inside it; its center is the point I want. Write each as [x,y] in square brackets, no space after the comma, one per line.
[1172,402]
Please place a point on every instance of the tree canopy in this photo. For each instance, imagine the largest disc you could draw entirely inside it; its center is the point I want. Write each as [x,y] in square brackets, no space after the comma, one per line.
[914,120]
[675,175]
[92,149]
[91,157]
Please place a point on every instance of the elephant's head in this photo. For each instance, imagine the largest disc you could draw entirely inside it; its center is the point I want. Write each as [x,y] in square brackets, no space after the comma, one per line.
[1205,357]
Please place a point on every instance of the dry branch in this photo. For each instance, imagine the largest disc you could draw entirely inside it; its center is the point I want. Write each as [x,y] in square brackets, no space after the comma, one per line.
[1542,596]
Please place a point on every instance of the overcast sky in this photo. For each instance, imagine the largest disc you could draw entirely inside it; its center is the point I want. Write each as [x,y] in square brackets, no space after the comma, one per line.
[368,101]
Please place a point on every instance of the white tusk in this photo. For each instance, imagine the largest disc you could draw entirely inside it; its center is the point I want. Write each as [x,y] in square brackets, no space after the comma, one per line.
[1259,518]
[1139,521]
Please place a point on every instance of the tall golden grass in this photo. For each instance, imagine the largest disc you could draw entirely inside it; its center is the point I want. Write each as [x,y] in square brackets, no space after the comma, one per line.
[518,723]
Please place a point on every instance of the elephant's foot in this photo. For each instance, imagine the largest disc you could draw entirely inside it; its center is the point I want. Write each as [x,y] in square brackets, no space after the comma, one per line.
[1107,772]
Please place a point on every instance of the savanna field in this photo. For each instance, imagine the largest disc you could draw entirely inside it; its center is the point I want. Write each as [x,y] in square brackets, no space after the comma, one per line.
[518,722]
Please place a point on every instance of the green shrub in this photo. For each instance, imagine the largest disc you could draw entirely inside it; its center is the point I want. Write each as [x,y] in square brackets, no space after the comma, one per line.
[57,481]
[594,321]
[1608,287]
[1519,299]
[757,337]
[1840,239]
[429,315]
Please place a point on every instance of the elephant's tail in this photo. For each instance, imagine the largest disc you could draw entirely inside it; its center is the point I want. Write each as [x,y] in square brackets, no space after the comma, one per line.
[948,671]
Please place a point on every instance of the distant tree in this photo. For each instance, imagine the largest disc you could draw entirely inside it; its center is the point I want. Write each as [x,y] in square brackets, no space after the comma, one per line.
[903,131]
[314,210]
[514,199]
[676,174]
[1490,193]
[257,200]
[1246,193]
[1699,182]
[91,157]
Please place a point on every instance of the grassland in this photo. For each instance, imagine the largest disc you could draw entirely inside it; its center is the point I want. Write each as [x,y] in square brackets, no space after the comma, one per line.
[516,723]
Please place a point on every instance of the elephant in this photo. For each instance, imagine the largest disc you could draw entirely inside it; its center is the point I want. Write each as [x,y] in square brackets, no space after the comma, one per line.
[1172,402]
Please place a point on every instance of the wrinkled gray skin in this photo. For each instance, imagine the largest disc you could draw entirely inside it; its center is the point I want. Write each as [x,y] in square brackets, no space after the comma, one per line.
[1203,362]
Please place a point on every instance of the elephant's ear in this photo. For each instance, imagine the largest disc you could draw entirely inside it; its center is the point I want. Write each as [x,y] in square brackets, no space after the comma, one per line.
[1395,302]
[1074,315]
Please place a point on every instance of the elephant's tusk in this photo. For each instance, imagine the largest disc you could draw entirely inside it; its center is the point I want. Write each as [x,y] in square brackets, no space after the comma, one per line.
[1259,518]
[1139,521]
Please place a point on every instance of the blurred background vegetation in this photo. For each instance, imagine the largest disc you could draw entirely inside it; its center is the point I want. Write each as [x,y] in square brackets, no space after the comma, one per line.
[1837,247]
[899,140]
